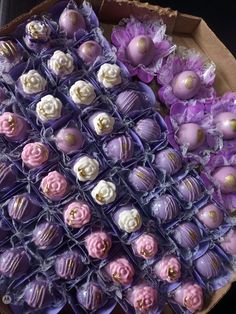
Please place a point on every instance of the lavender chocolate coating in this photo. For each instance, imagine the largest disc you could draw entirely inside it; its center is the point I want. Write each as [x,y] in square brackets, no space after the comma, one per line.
[142,179]
[208,265]
[69,140]
[89,51]
[128,101]
[14,263]
[189,189]
[47,235]
[226,124]
[187,235]
[191,135]
[165,208]
[140,50]
[148,129]
[168,161]
[185,85]
[22,207]
[90,296]
[211,216]
[225,177]
[68,265]
[7,176]
[228,242]
[120,148]
[71,21]
[37,294]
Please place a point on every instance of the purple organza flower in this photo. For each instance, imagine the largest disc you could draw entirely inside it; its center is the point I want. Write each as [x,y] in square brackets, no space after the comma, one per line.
[186,59]
[214,177]
[190,130]
[160,44]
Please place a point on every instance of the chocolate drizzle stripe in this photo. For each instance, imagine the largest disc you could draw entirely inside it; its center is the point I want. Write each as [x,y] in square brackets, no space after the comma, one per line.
[48,235]
[11,263]
[37,297]
[19,207]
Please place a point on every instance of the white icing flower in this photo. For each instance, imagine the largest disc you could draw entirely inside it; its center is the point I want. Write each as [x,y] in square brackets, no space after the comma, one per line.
[109,75]
[32,82]
[61,63]
[129,220]
[82,93]
[86,169]
[103,123]
[38,30]
[104,192]
[49,108]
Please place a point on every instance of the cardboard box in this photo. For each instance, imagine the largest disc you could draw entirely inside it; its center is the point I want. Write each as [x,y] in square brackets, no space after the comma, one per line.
[187,30]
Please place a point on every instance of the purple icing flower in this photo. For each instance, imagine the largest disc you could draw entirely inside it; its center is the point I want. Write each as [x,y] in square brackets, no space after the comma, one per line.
[186,77]
[141,46]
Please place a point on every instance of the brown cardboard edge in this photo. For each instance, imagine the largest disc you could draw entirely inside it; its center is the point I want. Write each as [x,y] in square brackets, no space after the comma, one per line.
[112,11]
[176,22]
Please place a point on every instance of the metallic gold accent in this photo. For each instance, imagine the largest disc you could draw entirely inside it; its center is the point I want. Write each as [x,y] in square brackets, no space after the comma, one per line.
[101,124]
[214,263]
[140,174]
[73,212]
[43,150]
[192,235]
[100,197]
[172,274]
[212,214]
[142,45]
[189,82]
[70,139]
[73,18]
[230,181]
[200,136]
[116,277]
[105,246]
[233,213]
[172,157]
[33,32]
[232,124]
[187,301]
[8,49]
[140,303]
[82,172]
[11,122]
[145,253]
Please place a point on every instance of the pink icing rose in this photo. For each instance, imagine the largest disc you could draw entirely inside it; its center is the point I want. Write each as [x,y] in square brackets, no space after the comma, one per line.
[54,186]
[34,154]
[11,125]
[144,298]
[190,296]
[77,214]
[121,271]
[193,297]
[168,269]
[146,246]
[98,244]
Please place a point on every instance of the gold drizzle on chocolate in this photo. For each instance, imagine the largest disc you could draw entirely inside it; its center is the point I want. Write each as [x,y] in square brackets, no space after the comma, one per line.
[8,49]
[192,235]
[189,82]
[230,181]
[82,172]
[140,303]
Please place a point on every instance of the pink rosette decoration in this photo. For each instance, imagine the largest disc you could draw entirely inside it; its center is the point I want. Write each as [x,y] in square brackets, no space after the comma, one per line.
[34,154]
[168,269]
[121,271]
[190,130]
[190,296]
[186,77]
[54,186]
[77,214]
[144,298]
[13,126]
[142,46]
[146,246]
[98,244]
